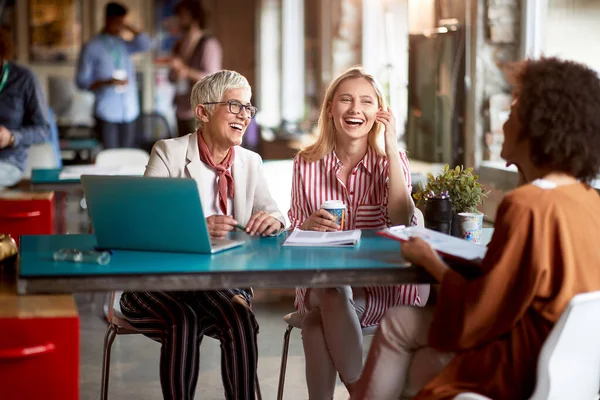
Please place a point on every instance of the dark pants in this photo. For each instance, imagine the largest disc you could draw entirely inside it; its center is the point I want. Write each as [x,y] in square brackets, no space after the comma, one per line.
[114,135]
[179,320]
[185,126]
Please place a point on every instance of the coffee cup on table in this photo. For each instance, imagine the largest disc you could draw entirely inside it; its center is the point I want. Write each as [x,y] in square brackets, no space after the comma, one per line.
[337,208]
[470,225]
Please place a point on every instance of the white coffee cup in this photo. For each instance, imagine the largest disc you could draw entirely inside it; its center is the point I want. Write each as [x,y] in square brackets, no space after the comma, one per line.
[120,74]
[470,226]
[337,208]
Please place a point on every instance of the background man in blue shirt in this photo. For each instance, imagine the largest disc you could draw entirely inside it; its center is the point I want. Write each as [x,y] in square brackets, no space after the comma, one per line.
[105,67]
[23,114]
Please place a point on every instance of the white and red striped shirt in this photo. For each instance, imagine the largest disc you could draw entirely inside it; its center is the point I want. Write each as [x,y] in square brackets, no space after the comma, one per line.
[366,198]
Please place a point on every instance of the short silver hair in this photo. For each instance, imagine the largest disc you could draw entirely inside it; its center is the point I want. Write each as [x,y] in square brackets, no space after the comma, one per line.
[212,88]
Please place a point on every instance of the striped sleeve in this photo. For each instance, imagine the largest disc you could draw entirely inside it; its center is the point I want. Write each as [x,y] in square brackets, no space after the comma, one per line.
[298,213]
[407,176]
[406,170]
[299,210]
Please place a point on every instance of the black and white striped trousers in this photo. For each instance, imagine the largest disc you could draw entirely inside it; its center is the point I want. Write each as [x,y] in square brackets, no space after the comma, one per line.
[179,320]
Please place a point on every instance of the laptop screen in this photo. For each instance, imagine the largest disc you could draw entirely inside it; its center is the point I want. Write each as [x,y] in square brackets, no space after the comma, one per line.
[146,213]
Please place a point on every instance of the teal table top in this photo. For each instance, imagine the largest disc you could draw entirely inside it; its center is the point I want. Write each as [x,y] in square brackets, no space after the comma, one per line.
[260,262]
[79,144]
[49,176]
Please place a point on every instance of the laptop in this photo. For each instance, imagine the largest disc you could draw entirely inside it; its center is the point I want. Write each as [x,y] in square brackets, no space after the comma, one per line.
[149,214]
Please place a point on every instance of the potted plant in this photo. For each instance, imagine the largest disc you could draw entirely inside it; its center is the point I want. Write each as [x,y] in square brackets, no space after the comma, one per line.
[465,192]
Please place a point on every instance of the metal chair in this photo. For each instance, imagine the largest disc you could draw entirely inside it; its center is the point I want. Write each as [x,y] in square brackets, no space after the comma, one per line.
[294,320]
[151,127]
[118,325]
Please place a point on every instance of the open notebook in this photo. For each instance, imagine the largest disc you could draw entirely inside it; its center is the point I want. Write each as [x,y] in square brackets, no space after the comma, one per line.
[323,239]
[446,245]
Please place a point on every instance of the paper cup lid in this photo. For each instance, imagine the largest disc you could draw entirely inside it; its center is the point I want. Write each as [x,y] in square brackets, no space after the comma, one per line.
[332,204]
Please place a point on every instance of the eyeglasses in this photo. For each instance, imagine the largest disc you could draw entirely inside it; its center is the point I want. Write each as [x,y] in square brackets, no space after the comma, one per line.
[235,107]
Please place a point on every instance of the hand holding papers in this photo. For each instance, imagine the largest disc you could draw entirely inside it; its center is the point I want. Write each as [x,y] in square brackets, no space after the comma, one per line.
[323,239]
[444,244]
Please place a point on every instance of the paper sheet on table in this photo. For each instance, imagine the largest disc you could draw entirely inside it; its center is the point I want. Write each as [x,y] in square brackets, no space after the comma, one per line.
[442,243]
[75,171]
[323,239]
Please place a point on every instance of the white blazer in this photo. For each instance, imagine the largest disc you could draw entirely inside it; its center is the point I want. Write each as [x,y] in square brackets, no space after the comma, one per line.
[180,158]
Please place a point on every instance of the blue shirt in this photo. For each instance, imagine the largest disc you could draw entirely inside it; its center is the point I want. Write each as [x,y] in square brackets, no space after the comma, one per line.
[99,58]
[24,113]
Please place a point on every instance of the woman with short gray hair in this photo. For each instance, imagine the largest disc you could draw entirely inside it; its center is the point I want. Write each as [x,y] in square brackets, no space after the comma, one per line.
[234,192]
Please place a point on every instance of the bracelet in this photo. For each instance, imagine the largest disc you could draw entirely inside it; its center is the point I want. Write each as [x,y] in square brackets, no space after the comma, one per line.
[12,140]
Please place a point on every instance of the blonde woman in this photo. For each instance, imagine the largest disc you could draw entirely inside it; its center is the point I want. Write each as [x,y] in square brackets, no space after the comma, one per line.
[346,163]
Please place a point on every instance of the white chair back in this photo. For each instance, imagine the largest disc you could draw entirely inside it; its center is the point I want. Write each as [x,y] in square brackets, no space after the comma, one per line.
[122,157]
[40,155]
[279,178]
[569,363]
[420,218]
[425,289]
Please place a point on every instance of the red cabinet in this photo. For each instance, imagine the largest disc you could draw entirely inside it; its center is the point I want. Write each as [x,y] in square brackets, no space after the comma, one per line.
[26,213]
[39,347]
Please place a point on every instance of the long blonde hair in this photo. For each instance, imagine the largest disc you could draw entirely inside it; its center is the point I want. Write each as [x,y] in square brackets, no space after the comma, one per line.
[325,143]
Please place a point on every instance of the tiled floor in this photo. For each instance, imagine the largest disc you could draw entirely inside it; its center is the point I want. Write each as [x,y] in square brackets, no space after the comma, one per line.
[134,364]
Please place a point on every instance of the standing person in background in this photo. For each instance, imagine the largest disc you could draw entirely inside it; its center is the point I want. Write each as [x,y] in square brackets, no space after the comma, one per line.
[23,114]
[195,55]
[105,67]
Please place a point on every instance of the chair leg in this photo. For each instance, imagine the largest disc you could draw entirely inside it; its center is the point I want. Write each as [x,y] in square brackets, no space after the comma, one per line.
[258,394]
[108,341]
[284,357]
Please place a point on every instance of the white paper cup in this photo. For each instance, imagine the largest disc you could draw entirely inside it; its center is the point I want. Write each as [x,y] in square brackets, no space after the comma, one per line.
[470,225]
[121,75]
[338,209]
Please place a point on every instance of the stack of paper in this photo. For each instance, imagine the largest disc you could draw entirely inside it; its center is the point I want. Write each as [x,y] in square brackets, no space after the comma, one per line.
[444,244]
[323,239]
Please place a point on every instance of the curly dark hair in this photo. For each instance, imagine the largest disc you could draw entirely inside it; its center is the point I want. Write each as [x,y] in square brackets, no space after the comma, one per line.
[559,111]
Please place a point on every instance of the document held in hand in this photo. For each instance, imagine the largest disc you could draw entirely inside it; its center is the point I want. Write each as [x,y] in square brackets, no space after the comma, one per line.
[446,245]
[323,239]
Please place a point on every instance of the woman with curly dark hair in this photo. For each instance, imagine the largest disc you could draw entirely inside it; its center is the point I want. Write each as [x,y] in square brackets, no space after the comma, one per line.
[485,334]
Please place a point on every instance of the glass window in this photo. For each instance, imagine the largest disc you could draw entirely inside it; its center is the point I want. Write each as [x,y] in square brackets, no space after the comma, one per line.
[571,31]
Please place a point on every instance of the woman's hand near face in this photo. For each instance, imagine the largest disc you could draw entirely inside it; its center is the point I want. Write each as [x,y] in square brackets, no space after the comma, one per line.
[321,221]
[389,122]
[263,223]
[220,225]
